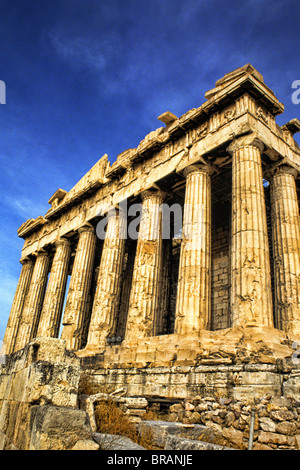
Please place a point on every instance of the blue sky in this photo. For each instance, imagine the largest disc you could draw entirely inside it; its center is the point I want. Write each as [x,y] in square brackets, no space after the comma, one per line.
[88,77]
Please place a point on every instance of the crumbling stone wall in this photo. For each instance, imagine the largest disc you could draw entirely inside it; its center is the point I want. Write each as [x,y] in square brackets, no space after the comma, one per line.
[38,398]
[134,408]
[276,425]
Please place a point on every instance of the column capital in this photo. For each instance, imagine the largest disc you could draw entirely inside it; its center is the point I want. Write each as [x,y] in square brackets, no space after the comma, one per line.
[286,169]
[86,228]
[41,253]
[250,140]
[280,169]
[197,168]
[26,260]
[152,193]
[62,241]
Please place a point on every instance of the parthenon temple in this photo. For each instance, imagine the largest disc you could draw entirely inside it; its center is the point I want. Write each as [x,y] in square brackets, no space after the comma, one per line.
[183,253]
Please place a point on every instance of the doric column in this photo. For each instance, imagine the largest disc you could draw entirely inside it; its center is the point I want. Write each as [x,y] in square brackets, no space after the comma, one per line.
[286,249]
[107,296]
[251,294]
[34,300]
[79,288]
[55,293]
[143,304]
[17,306]
[194,279]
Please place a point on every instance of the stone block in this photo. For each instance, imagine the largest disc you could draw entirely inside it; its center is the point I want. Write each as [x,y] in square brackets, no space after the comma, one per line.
[181,443]
[161,429]
[136,403]
[291,387]
[115,442]
[176,408]
[297,441]
[286,427]
[189,406]
[85,444]
[195,418]
[235,437]
[274,438]
[267,424]
[281,415]
[57,428]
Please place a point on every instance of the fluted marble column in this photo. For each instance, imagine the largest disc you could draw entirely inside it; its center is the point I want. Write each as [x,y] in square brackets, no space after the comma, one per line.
[79,289]
[143,304]
[193,301]
[286,249]
[55,293]
[34,300]
[17,306]
[107,296]
[251,294]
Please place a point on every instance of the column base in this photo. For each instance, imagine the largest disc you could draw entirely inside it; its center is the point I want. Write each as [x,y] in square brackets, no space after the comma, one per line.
[248,344]
[238,363]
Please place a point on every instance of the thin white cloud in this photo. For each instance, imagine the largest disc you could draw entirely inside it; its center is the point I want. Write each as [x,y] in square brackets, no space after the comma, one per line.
[82,51]
[26,207]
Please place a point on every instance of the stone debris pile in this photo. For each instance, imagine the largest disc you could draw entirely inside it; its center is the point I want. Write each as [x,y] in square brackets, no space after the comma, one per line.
[277,421]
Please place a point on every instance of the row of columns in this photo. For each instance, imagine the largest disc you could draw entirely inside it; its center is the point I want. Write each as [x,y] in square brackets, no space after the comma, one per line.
[36,311]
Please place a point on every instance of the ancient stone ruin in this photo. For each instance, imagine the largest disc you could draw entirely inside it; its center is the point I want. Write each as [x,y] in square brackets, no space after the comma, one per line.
[173,273]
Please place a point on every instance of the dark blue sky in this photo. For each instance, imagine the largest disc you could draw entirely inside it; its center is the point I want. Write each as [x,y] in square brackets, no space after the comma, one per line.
[88,77]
